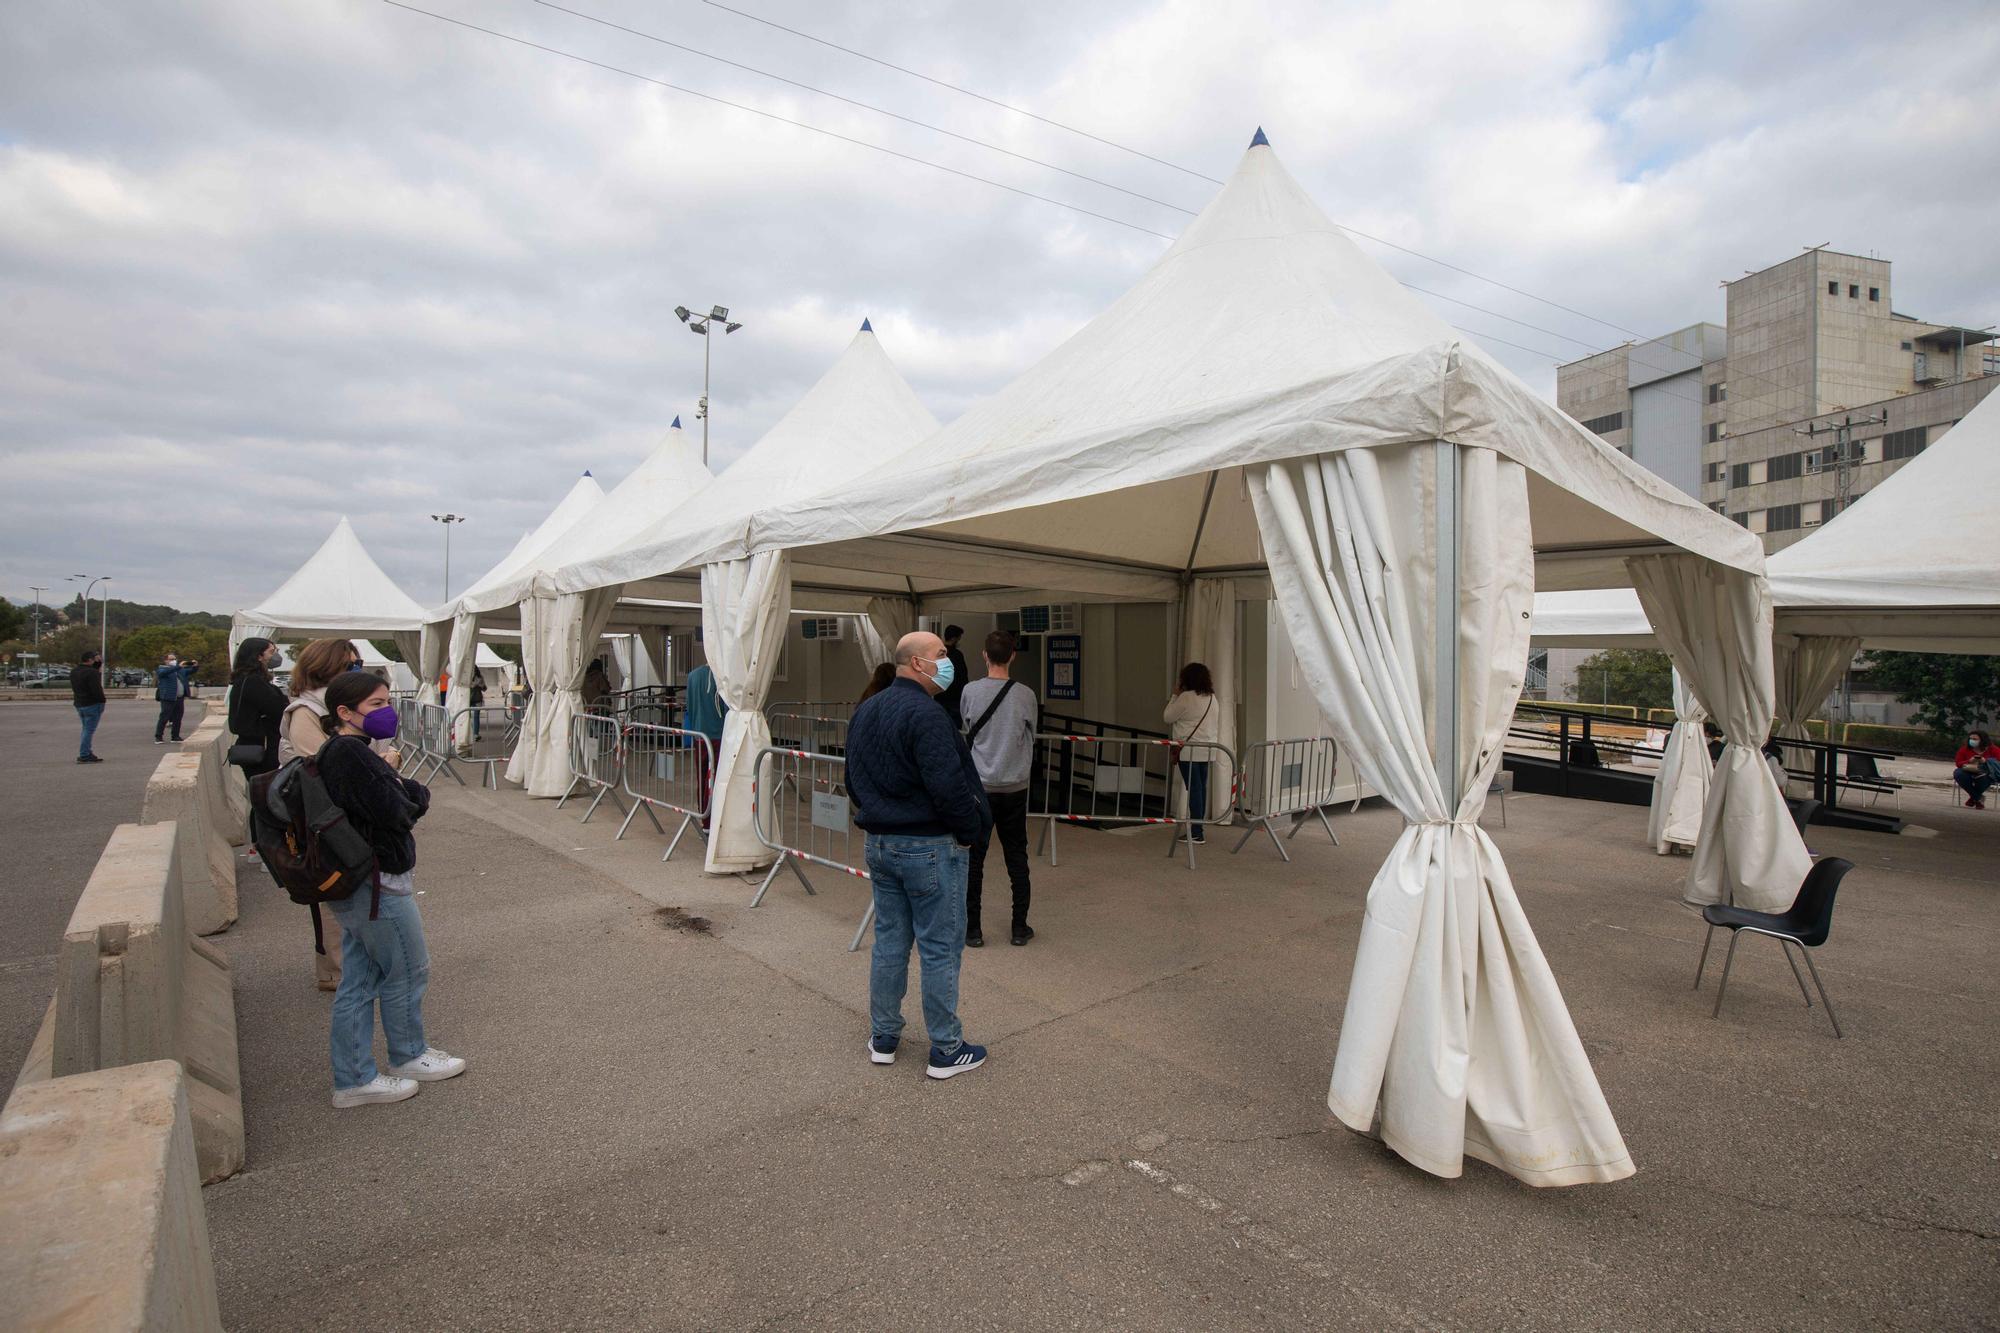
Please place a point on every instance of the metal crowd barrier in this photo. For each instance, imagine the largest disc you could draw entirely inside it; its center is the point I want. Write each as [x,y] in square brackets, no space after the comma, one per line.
[800,810]
[1281,779]
[433,743]
[1126,780]
[486,736]
[668,767]
[792,728]
[595,757]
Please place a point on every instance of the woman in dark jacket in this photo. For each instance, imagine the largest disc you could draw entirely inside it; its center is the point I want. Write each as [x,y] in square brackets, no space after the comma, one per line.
[383,956]
[256,706]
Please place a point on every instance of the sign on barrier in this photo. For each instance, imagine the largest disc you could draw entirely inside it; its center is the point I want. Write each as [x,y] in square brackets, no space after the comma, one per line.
[1288,779]
[670,768]
[595,759]
[1132,780]
[800,810]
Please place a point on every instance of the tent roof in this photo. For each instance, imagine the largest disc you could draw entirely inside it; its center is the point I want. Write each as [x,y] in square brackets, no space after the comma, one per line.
[1113,465]
[583,496]
[859,415]
[668,476]
[339,590]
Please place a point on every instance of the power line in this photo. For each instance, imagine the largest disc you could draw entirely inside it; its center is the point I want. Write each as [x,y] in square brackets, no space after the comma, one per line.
[991,101]
[772,115]
[865,106]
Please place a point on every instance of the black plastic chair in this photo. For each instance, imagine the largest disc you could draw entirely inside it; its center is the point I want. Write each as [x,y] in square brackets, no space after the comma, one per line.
[1803,813]
[1805,923]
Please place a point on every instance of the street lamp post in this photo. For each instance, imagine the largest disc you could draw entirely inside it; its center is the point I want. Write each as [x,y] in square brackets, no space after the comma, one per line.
[448,520]
[86,598]
[705,326]
[38,612]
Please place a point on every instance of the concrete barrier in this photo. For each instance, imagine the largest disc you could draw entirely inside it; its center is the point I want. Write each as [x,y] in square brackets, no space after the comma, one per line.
[133,985]
[208,864]
[225,791]
[101,1221]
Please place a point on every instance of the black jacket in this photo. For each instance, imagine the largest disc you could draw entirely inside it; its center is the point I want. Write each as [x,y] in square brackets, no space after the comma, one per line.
[256,708]
[378,802]
[909,771]
[86,686]
[960,678]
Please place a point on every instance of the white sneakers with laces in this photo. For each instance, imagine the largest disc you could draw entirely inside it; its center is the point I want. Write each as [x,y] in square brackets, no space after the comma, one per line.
[381,1088]
[433,1066]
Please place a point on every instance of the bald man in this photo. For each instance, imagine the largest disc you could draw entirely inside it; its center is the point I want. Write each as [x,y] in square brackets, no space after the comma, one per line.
[919,798]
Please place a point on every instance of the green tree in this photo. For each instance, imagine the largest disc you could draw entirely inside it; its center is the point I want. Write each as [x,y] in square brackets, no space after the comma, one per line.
[13,621]
[1640,677]
[388,649]
[1952,694]
[68,644]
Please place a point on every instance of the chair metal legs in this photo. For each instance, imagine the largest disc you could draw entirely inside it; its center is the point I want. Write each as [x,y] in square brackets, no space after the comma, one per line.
[1706,940]
[1822,992]
[1785,942]
[1786,945]
[1728,961]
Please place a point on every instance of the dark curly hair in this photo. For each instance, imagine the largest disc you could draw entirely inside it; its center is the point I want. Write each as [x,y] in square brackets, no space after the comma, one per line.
[1194,676]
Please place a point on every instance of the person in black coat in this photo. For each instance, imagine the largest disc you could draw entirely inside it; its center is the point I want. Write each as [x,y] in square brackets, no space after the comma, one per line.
[256,706]
[86,691]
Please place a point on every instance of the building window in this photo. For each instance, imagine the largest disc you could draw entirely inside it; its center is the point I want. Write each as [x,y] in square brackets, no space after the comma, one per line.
[1714,431]
[1905,443]
[1742,519]
[1720,507]
[1716,471]
[1874,293]
[1827,509]
[1833,289]
[1605,425]
[1782,468]
[1853,290]
[1907,346]
[1781,518]
[1718,392]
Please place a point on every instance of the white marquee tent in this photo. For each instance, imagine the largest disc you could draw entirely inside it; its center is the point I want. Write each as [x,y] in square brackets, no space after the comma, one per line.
[1267,407]
[339,592]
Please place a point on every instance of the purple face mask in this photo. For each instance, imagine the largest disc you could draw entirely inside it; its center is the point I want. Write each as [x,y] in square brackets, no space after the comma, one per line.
[381,724]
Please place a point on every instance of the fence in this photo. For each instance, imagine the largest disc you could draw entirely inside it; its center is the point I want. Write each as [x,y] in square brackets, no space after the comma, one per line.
[1128,780]
[805,727]
[669,768]
[595,758]
[486,736]
[800,810]
[431,743]
[1292,778]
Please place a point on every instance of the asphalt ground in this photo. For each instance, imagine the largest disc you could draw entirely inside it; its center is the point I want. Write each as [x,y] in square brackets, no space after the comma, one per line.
[666,1127]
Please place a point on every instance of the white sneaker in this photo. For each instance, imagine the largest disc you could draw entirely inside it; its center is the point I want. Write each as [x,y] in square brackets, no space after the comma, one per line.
[432,1066]
[381,1089]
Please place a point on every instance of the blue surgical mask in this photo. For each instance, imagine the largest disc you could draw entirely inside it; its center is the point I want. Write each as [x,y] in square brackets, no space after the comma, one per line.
[946,673]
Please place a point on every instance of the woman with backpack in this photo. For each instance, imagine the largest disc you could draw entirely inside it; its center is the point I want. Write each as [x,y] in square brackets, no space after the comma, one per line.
[300,735]
[255,707]
[385,961]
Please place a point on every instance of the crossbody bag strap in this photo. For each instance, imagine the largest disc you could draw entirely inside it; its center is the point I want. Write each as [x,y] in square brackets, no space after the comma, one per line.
[987,716]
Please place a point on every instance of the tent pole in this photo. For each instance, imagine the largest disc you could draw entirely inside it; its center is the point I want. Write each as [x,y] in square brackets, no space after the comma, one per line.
[1445,703]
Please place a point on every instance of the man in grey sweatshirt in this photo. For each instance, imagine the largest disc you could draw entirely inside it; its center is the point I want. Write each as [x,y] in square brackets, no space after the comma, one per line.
[1001,717]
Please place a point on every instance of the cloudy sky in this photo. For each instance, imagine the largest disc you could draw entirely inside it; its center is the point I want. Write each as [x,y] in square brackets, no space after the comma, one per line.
[265,264]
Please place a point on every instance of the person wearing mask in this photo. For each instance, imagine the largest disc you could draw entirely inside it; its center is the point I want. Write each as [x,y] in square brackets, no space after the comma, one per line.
[256,706]
[1194,717]
[878,681]
[1975,768]
[86,691]
[703,712]
[477,694]
[386,962]
[960,672]
[172,682]
[1000,717]
[917,795]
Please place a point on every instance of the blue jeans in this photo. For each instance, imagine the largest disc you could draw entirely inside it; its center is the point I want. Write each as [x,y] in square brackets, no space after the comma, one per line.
[919,888]
[1974,784]
[382,960]
[1194,772]
[88,714]
[171,713]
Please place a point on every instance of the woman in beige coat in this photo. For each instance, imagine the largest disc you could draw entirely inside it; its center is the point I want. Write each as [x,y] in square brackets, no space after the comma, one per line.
[1193,717]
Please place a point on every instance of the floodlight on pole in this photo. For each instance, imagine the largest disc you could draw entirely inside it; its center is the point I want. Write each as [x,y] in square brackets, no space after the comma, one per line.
[38,612]
[448,520]
[704,325]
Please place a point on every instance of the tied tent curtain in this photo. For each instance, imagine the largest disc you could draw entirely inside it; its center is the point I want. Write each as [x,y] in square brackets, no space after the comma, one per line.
[1805,668]
[1454,1030]
[414,646]
[877,631]
[241,629]
[535,658]
[743,611]
[563,630]
[1716,625]
[1212,641]
[460,661]
[1680,791]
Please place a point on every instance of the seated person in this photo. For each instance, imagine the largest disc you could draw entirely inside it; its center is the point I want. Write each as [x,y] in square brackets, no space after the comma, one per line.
[1975,768]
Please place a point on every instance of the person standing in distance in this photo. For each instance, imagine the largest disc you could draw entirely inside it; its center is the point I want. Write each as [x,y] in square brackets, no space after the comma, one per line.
[170,686]
[960,673]
[917,795]
[1000,716]
[86,691]
[703,713]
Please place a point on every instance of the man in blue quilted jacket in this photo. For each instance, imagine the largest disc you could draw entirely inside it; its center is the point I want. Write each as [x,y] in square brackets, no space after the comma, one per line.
[919,798]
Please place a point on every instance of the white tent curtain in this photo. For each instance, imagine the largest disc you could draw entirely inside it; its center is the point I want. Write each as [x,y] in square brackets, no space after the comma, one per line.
[1680,792]
[536,656]
[887,621]
[1454,1028]
[1211,641]
[1805,669]
[461,660]
[558,638]
[1716,624]
[743,607]
[241,629]
[410,645]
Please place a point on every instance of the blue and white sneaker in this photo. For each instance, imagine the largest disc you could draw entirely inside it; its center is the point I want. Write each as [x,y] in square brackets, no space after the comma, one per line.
[950,1064]
[882,1050]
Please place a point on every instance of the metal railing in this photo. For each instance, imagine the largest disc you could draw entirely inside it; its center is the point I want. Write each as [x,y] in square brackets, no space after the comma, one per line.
[800,809]
[595,758]
[1287,779]
[486,736]
[432,743]
[793,728]
[1127,780]
[668,768]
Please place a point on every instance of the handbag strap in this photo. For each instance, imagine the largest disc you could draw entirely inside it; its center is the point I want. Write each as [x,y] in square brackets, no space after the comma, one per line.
[987,716]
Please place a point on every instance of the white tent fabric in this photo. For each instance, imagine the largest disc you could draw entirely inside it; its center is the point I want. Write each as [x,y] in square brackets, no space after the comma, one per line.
[1680,789]
[1592,618]
[1454,1025]
[401,677]
[743,604]
[1712,621]
[882,626]
[558,639]
[1805,669]
[339,592]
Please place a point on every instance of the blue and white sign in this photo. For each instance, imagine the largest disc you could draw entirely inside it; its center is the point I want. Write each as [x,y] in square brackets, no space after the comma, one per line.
[1064,676]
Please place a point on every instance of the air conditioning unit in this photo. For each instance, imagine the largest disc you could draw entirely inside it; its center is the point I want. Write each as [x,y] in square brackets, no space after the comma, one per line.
[823,627]
[1810,522]
[1061,618]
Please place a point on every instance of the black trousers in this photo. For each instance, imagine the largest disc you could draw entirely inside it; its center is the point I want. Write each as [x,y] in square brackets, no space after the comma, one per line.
[170,714]
[1010,822]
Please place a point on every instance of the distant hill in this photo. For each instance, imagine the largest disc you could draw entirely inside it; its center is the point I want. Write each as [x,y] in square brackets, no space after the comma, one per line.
[124,615]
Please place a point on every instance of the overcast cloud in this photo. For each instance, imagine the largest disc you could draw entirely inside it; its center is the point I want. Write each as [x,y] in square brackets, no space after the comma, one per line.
[265,264]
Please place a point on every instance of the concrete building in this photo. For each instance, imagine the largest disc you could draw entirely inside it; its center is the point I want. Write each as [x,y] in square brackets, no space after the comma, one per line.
[1811,342]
